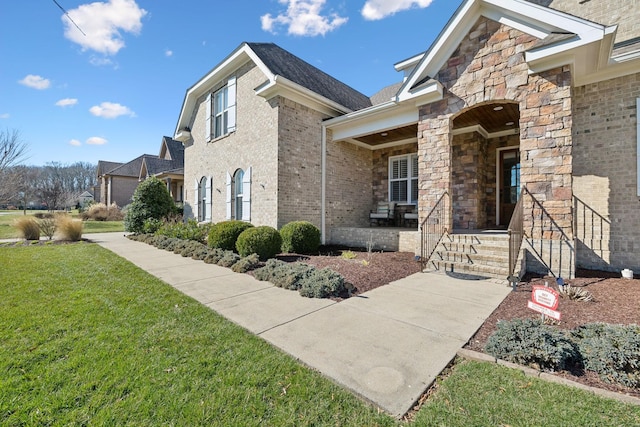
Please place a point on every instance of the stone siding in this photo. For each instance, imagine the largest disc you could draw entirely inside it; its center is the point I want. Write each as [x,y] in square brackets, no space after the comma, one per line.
[487,67]
[605,174]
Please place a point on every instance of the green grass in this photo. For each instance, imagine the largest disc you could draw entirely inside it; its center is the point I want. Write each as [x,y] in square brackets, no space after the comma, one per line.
[8,231]
[88,338]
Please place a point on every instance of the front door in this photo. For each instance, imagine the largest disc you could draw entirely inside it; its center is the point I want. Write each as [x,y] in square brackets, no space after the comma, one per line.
[509,181]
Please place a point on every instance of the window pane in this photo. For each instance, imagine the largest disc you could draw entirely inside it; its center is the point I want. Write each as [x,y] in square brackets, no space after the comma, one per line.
[399,168]
[414,190]
[414,166]
[398,191]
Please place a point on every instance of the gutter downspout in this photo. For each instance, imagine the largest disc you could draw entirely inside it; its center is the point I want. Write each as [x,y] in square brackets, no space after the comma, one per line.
[323,186]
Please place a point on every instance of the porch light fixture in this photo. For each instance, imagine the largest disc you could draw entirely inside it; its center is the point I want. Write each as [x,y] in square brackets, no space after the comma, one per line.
[509,124]
[384,134]
[498,108]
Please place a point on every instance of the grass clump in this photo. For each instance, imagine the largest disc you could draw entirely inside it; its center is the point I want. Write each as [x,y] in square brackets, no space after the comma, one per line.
[102,212]
[300,237]
[263,240]
[28,227]
[529,342]
[68,228]
[224,235]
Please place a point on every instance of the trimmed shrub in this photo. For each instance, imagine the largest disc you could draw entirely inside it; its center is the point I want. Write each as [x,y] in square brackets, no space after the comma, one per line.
[170,244]
[43,215]
[322,283]
[214,255]
[282,274]
[228,259]
[178,247]
[529,342]
[300,237]
[224,234]
[191,247]
[245,264]
[150,200]
[68,228]
[151,225]
[28,227]
[263,240]
[612,351]
[201,253]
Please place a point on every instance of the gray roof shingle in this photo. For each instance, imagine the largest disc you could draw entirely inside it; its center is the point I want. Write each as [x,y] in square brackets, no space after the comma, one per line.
[283,63]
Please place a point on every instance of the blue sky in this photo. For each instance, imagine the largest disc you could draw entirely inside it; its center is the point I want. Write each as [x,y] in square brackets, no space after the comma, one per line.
[114,91]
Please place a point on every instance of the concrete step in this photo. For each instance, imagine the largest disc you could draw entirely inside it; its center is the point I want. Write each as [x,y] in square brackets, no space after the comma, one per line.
[476,258]
[479,270]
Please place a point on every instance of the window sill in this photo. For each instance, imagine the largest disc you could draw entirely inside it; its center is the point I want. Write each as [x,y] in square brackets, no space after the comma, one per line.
[226,135]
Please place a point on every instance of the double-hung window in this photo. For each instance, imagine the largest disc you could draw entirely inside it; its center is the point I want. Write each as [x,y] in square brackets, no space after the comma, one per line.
[403,179]
[221,111]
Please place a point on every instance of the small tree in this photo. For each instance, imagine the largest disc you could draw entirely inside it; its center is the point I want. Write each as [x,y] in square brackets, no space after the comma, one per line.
[150,200]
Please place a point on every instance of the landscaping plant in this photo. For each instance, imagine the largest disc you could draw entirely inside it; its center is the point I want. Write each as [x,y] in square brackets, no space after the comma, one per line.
[300,237]
[68,228]
[263,240]
[150,200]
[224,234]
[28,228]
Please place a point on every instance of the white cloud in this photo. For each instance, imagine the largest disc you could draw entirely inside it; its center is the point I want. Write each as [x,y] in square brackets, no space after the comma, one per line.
[67,102]
[102,62]
[111,110]
[378,9]
[303,18]
[103,23]
[75,143]
[96,140]
[4,116]
[35,82]
[168,53]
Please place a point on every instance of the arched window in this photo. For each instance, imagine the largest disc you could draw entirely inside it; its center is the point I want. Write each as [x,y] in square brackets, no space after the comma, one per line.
[238,178]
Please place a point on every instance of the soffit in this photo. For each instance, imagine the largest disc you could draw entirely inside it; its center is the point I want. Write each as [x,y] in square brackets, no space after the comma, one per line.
[491,117]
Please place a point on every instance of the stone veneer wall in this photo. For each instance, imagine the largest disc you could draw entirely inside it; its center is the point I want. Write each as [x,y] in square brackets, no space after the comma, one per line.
[624,13]
[299,163]
[489,66]
[253,144]
[469,181]
[605,174]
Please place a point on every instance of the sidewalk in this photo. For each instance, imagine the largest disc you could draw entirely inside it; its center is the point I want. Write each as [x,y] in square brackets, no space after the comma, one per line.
[387,345]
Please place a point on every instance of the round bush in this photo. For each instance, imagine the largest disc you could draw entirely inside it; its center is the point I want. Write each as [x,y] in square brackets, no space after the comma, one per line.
[264,241]
[150,200]
[300,237]
[224,234]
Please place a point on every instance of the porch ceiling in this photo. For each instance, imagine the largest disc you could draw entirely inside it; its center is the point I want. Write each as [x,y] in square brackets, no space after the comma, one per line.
[390,136]
[490,117]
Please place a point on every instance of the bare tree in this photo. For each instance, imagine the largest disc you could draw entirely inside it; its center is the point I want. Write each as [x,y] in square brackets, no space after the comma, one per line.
[60,186]
[13,150]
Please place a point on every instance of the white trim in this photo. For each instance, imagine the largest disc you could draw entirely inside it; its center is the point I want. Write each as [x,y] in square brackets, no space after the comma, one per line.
[638,143]
[409,178]
[511,147]
[323,186]
[483,132]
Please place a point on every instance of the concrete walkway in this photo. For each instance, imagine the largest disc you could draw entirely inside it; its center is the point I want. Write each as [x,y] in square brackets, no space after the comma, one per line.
[387,345]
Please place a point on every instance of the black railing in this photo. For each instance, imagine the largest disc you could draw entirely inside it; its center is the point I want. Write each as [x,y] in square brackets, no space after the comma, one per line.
[433,228]
[516,232]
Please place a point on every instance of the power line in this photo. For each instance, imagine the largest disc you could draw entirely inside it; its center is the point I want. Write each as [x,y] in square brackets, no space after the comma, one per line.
[67,15]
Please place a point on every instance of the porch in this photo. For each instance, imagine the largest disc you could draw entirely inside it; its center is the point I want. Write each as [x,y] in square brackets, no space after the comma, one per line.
[398,239]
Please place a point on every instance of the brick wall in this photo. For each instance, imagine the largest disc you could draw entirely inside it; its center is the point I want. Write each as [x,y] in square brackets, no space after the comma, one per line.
[605,175]
[122,189]
[349,175]
[299,163]
[253,144]
[624,13]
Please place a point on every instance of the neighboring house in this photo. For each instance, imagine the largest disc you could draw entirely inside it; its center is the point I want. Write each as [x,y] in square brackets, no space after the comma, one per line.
[85,198]
[118,181]
[519,115]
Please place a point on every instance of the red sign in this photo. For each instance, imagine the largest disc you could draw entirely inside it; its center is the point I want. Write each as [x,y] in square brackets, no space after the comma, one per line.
[544,300]
[544,296]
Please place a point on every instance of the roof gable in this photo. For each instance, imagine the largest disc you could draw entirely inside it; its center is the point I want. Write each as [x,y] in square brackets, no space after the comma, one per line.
[564,39]
[132,168]
[285,75]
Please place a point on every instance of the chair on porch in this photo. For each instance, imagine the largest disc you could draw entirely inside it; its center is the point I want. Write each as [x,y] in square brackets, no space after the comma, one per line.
[385,212]
[410,218]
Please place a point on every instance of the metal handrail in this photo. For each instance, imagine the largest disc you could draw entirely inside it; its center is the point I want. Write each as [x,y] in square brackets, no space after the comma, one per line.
[516,232]
[433,228]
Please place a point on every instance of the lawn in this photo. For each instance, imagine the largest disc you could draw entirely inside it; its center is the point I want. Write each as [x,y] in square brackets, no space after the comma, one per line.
[8,231]
[88,338]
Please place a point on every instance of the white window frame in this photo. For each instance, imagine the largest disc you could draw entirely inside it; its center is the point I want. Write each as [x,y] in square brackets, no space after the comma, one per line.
[411,178]
[221,111]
